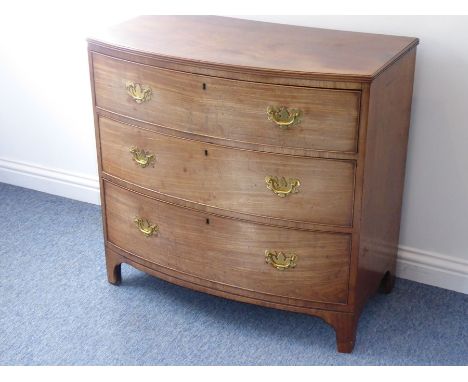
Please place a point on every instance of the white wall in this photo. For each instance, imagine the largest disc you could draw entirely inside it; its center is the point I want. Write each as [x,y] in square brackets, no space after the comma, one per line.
[46,122]
[47,133]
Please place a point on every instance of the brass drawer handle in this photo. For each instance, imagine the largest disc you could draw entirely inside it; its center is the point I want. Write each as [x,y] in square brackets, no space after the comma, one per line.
[145,227]
[280,260]
[281,186]
[283,116]
[141,157]
[139,93]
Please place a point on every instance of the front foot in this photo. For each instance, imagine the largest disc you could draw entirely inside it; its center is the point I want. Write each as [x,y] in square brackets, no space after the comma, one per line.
[345,347]
[113,265]
[345,325]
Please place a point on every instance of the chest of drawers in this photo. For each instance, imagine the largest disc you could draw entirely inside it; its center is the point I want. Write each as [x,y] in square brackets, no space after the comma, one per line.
[254,161]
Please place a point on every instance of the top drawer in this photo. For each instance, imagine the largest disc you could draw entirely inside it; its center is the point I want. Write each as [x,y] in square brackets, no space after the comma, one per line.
[299,117]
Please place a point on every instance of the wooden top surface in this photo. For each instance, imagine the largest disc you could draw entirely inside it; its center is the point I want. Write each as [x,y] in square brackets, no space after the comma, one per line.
[261,46]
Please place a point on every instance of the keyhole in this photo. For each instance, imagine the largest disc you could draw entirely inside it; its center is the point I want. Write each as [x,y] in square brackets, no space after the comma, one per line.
[206,153]
[204,86]
[207,221]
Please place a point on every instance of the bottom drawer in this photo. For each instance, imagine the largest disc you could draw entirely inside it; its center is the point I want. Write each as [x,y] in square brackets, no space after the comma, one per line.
[297,264]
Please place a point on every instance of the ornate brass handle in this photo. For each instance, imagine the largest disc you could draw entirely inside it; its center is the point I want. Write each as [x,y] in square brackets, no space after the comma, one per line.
[281,186]
[283,117]
[280,260]
[145,227]
[141,157]
[139,93]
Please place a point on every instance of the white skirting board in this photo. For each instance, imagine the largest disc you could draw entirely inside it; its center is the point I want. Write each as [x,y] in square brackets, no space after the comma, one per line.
[431,268]
[52,181]
[413,264]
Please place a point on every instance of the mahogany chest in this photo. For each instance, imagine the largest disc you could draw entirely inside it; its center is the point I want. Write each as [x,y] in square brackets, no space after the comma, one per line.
[254,161]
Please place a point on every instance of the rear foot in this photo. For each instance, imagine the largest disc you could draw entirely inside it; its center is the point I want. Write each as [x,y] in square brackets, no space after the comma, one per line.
[387,283]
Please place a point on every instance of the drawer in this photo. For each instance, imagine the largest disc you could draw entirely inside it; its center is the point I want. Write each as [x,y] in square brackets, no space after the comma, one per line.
[316,190]
[283,262]
[312,118]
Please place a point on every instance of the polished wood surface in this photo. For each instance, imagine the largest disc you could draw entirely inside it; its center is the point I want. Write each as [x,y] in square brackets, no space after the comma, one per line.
[229,251]
[213,144]
[344,323]
[384,169]
[230,179]
[230,110]
[260,46]
[295,151]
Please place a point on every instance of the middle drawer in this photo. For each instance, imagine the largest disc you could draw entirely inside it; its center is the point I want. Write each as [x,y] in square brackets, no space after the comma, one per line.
[271,185]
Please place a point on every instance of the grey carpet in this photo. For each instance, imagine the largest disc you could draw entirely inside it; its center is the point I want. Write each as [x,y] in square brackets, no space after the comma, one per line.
[56,308]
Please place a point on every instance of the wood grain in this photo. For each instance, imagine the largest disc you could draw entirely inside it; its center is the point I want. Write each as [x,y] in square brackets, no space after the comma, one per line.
[229,251]
[344,323]
[230,179]
[296,151]
[384,174]
[257,46]
[230,110]
[220,71]
[213,144]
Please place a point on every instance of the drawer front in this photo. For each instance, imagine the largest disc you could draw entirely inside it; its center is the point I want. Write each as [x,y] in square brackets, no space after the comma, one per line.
[226,109]
[312,266]
[316,190]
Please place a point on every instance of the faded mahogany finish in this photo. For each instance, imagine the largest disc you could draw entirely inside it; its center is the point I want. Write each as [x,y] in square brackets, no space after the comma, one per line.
[196,210]
[230,179]
[234,255]
[387,137]
[257,46]
[230,110]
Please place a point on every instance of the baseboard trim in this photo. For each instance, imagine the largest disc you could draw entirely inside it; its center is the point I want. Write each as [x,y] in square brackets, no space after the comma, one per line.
[56,182]
[432,268]
[413,264]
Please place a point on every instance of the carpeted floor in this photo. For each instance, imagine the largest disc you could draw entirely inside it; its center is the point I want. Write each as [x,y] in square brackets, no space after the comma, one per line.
[56,308]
